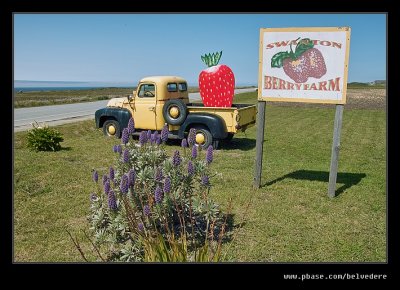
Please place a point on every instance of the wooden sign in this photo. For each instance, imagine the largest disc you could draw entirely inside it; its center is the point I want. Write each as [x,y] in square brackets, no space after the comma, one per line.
[304,64]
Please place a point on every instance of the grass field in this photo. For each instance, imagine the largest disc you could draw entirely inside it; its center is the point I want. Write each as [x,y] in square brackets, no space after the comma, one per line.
[45,98]
[289,219]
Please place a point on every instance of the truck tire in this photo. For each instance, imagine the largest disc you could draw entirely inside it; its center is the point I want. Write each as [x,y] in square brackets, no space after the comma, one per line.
[203,137]
[112,128]
[174,112]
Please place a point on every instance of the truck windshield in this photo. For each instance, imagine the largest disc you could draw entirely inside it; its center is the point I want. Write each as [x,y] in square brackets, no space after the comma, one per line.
[147,90]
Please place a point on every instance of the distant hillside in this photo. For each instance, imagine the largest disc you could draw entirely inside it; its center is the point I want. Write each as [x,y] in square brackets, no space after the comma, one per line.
[374,84]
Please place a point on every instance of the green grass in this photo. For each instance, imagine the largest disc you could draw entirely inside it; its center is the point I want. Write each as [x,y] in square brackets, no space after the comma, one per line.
[289,219]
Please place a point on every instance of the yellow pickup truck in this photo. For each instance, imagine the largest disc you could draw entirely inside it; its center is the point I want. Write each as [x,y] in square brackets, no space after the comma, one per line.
[161,100]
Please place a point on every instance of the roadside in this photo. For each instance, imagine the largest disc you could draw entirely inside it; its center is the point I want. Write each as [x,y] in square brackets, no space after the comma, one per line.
[28,99]
[68,113]
[360,98]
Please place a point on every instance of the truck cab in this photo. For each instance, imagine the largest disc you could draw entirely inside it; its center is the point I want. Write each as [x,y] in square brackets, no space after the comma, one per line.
[161,100]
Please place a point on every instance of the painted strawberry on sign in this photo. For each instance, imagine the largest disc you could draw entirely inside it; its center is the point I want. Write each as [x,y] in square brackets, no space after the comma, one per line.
[306,61]
[216,83]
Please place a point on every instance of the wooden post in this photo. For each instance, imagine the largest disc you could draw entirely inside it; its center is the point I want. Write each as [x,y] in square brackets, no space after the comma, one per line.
[259,143]
[335,151]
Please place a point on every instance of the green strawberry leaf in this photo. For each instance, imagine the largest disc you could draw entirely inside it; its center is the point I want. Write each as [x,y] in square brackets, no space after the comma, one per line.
[278,58]
[302,46]
[218,57]
[203,59]
[211,59]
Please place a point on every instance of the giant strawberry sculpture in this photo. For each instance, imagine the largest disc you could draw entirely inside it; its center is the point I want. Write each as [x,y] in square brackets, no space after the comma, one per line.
[306,61]
[216,83]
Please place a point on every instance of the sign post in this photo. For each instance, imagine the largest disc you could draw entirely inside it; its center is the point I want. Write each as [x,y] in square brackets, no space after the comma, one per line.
[259,143]
[335,151]
[303,64]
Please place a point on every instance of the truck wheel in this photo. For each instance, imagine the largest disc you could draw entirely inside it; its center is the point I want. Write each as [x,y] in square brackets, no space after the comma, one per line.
[203,137]
[174,112]
[111,128]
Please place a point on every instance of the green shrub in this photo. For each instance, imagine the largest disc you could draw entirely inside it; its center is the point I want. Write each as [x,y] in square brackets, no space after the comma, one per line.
[155,207]
[44,138]
[100,98]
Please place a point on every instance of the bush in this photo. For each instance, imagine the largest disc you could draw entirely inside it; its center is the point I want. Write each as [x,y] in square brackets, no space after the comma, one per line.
[155,207]
[44,138]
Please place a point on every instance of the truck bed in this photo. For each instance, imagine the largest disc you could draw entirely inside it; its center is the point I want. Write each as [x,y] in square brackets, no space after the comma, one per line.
[237,118]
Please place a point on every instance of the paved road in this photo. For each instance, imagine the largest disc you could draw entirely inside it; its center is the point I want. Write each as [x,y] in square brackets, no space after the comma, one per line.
[61,114]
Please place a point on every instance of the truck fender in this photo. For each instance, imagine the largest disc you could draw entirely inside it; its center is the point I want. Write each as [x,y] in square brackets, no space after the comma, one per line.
[215,124]
[121,115]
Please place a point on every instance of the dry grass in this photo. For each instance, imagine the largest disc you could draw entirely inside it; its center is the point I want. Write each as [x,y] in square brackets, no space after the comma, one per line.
[45,98]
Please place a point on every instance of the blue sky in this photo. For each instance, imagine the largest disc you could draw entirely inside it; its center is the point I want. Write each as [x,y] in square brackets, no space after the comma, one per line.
[123,48]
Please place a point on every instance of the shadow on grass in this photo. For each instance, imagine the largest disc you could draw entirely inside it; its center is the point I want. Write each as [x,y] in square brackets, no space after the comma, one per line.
[347,179]
[244,144]
[66,148]
[229,227]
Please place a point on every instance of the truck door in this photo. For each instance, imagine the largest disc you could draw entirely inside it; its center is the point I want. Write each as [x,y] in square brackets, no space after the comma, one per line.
[145,107]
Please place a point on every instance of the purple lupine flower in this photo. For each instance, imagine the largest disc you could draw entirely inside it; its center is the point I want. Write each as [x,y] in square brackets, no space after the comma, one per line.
[192,136]
[112,173]
[105,178]
[107,187]
[204,180]
[167,185]
[124,185]
[140,227]
[95,176]
[132,176]
[158,194]
[153,138]
[190,168]
[148,135]
[164,133]
[142,138]
[209,154]
[146,210]
[119,149]
[131,126]
[158,139]
[93,197]
[115,149]
[125,136]
[126,156]
[112,203]
[194,152]
[184,143]
[176,160]
[159,174]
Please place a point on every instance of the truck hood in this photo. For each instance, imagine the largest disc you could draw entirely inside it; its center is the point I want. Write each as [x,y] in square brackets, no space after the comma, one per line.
[117,102]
